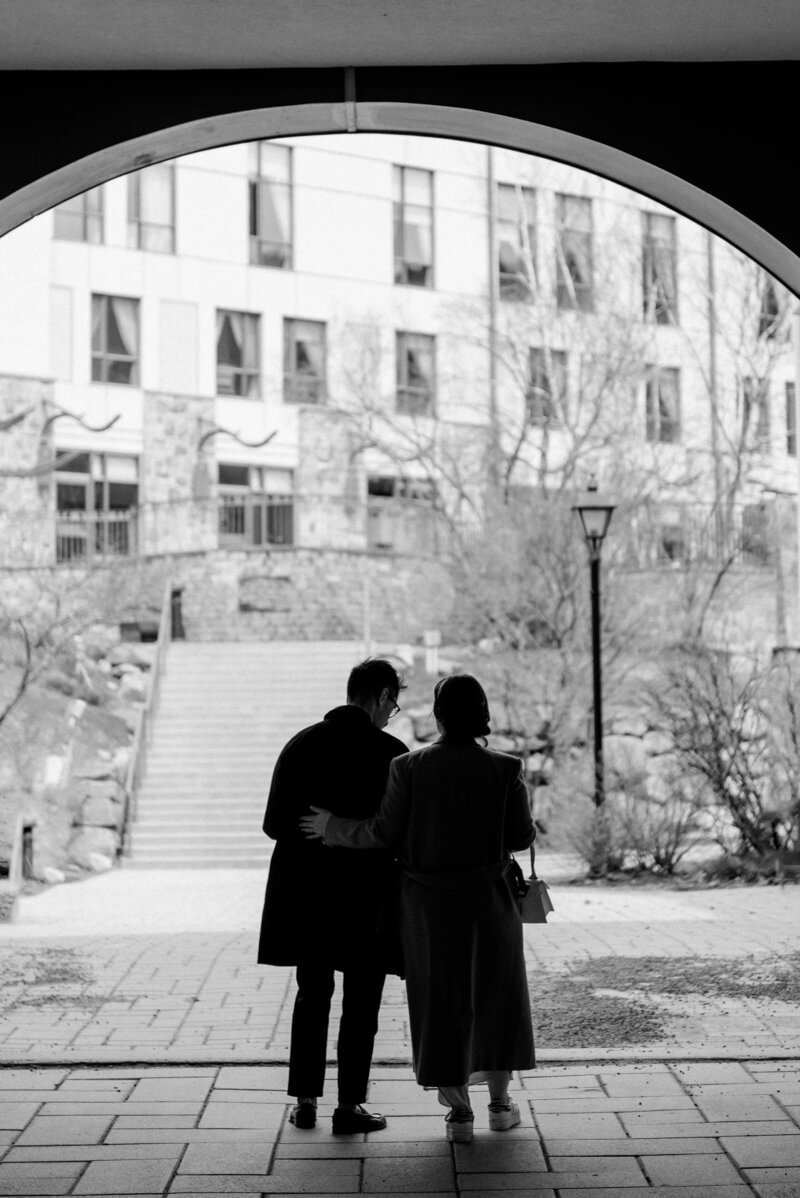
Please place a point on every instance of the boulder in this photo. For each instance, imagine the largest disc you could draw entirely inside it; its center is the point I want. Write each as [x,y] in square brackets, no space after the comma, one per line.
[656,743]
[52,876]
[133,687]
[628,723]
[102,813]
[132,653]
[100,863]
[90,840]
[624,755]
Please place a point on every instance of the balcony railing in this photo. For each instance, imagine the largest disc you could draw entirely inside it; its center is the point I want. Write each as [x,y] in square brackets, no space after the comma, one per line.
[82,536]
[248,519]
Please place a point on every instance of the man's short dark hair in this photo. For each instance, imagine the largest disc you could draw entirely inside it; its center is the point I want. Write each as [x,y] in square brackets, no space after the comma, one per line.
[370,677]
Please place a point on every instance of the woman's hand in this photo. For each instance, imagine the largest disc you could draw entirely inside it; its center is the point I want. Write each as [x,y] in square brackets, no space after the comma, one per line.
[314,825]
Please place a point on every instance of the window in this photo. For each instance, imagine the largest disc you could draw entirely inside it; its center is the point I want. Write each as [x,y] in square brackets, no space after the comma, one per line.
[81,218]
[270,203]
[659,268]
[755,535]
[151,209]
[413,226]
[516,241]
[256,505]
[96,501]
[755,415]
[416,374]
[574,249]
[304,361]
[401,515]
[662,405]
[791,421]
[769,316]
[238,370]
[115,340]
[547,387]
[671,539]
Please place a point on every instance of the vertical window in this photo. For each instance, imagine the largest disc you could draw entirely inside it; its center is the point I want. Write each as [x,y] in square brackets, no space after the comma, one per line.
[413,226]
[256,505]
[574,250]
[238,359]
[96,501]
[401,515]
[516,241]
[769,315]
[791,421]
[547,387]
[662,405]
[115,340]
[755,415]
[659,268]
[270,203]
[304,357]
[81,218]
[416,374]
[151,209]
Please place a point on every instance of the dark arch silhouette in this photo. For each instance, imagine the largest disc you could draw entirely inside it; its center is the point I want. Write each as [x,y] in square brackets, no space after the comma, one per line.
[713,140]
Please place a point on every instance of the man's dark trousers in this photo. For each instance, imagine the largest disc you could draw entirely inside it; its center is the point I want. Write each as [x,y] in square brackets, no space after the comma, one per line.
[362,987]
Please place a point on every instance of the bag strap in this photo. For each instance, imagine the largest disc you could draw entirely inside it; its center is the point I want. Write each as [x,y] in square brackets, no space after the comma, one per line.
[533,863]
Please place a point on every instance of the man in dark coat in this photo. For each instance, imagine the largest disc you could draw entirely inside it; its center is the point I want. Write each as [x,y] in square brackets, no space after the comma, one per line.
[320,906]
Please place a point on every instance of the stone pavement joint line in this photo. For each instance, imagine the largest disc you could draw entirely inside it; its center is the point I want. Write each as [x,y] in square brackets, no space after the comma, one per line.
[684,1129]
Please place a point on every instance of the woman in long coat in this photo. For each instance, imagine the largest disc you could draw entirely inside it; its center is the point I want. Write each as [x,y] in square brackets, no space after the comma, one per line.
[453,812]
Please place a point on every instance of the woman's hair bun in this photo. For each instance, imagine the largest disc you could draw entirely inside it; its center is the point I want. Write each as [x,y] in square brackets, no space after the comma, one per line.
[460,705]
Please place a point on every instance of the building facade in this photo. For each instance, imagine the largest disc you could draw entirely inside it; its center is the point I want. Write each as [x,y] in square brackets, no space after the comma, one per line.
[270,365]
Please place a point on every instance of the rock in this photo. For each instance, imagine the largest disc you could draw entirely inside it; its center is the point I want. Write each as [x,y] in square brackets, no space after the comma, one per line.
[102,813]
[88,841]
[100,863]
[628,723]
[121,761]
[136,653]
[129,715]
[624,755]
[405,654]
[98,639]
[503,744]
[133,687]
[656,743]
[53,876]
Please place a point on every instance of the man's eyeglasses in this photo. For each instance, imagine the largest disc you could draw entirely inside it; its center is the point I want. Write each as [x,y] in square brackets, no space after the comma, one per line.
[395,708]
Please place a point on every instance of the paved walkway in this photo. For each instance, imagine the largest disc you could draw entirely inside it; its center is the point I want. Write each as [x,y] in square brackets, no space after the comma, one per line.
[142,1052]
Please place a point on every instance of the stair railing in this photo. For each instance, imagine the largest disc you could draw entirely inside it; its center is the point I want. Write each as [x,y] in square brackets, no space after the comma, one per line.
[143,733]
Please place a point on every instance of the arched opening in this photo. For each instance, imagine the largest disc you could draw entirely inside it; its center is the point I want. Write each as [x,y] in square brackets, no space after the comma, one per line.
[429,120]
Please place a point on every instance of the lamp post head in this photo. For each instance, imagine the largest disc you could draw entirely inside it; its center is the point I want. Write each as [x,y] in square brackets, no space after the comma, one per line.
[595,516]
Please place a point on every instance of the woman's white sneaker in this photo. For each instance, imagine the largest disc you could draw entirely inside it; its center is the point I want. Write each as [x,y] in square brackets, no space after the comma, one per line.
[458,1127]
[503,1115]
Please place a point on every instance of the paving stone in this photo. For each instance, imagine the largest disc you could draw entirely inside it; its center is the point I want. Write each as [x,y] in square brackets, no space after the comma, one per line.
[65,1129]
[31,1079]
[752,1106]
[241,1114]
[726,1073]
[171,1089]
[126,1177]
[92,1152]
[189,1109]
[616,1174]
[726,1191]
[500,1154]
[416,1175]
[685,1131]
[208,1159]
[596,1127]
[14,1115]
[763,1150]
[712,1170]
[620,1103]
[631,1084]
[366,1146]
[143,1122]
[296,1177]
[631,1119]
[187,1135]
[637,1147]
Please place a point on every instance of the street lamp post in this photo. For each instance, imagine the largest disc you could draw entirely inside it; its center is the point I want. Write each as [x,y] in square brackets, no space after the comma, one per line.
[595,517]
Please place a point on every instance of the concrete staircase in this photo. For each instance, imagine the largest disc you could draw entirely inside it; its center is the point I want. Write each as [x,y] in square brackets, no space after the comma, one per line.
[225,712]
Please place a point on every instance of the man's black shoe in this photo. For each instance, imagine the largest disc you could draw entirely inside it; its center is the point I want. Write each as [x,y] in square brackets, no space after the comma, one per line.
[348,1123]
[304,1115]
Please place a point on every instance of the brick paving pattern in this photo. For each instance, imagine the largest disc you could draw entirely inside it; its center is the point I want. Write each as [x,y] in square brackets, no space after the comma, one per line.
[93,1099]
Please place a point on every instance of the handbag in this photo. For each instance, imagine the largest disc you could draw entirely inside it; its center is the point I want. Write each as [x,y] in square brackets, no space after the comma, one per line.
[534,902]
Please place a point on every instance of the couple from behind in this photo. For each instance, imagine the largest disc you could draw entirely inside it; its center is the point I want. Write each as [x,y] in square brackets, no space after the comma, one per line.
[348,801]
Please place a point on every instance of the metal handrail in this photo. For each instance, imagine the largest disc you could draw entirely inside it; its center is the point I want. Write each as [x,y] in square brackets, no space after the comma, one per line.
[144,724]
